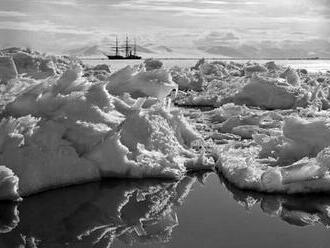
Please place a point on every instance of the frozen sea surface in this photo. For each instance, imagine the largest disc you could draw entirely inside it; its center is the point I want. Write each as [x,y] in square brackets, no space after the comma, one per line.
[191,212]
[151,213]
[310,65]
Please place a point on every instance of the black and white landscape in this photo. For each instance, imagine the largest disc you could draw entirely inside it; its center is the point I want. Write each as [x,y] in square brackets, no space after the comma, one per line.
[164,123]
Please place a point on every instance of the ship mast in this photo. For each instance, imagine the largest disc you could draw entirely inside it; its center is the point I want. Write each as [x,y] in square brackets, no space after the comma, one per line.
[127,47]
[134,47]
[117,48]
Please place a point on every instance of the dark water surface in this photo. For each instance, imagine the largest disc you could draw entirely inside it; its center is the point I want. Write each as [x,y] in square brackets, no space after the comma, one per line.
[153,213]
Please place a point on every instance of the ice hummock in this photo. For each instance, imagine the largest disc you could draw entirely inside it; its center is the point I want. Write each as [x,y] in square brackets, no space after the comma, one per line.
[268,86]
[8,184]
[299,164]
[269,127]
[59,128]
[270,93]
[8,69]
[141,83]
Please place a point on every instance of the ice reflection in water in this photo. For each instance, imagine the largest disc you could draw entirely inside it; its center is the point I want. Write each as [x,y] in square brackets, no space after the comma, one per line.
[94,215]
[133,213]
[297,210]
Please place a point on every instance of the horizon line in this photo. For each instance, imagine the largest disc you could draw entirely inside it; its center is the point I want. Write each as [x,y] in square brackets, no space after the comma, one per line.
[215,58]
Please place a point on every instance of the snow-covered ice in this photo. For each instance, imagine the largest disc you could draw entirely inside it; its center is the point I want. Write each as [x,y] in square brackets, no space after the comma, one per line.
[269,125]
[64,129]
[66,123]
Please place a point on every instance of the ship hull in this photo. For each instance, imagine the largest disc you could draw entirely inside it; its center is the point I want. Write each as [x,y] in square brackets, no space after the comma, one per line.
[110,57]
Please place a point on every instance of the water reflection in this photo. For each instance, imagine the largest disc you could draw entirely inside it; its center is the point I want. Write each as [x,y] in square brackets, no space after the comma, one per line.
[297,210]
[132,213]
[94,215]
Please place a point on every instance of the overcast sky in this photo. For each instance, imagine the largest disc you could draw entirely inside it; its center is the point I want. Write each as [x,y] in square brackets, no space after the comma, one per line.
[60,24]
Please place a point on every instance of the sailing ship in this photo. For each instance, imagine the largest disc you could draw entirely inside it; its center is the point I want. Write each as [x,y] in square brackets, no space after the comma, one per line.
[130,51]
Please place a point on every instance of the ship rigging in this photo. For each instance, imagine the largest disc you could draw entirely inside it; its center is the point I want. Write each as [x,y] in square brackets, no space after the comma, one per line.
[130,51]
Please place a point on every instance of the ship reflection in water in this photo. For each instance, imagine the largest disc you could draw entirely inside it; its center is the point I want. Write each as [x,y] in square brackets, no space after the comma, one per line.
[146,213]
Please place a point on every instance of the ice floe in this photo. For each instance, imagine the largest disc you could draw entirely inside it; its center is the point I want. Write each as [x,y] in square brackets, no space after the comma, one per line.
[269,126]
[60,128]
[299,164]
[65,123]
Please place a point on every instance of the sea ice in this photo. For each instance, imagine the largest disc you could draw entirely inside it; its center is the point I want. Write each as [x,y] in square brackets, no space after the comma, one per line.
[33,65]
[65,123]
[187,79]
[66,130]
[251,69]
[7,69]
[301,158]
[300,139]
[244,171]
[271,93]
[8,184]
[152,64]
[291,76]
[149,143]
[271,66]
[139,83]
[279,151]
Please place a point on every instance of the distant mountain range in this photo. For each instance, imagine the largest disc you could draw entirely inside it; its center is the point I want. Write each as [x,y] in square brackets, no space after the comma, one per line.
[242,51]
[100,50]
[94,50]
